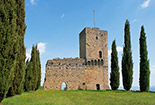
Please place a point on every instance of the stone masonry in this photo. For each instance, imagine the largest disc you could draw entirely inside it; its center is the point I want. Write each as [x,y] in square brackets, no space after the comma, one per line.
[90,71]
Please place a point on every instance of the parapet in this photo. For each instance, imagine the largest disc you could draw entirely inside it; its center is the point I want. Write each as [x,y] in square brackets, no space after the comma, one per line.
[93,30]
[66,62]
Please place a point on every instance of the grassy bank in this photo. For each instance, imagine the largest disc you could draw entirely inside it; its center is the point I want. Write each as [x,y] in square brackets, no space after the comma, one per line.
[76,97]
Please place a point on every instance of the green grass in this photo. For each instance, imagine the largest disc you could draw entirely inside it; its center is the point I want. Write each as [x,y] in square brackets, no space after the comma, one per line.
[79,97]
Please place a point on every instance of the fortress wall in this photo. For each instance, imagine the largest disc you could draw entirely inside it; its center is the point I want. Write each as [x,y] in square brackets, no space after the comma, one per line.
[75,75]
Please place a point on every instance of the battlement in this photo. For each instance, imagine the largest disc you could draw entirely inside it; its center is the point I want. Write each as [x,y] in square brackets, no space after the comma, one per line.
[66,62]
[73,62]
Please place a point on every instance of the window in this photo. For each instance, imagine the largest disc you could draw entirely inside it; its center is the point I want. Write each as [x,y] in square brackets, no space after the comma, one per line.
[96,38]
[95,62]
[100,54]
[88,62]
[102,62]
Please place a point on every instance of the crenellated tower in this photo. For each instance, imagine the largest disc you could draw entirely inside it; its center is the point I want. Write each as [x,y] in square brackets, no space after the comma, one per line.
[94,46]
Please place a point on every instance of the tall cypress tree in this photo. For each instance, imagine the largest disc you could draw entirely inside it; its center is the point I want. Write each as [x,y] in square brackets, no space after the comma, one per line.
[34,67]
[33,71]
[17,83]
[8,45]
[127,63]
[144,79]
[114,75]
[38,69]
[28,76]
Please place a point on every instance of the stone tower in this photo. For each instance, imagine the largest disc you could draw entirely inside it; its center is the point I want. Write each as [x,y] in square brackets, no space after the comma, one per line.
[94,46]
[90,71]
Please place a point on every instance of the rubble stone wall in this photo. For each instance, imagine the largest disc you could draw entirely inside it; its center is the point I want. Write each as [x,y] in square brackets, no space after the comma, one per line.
[75,74]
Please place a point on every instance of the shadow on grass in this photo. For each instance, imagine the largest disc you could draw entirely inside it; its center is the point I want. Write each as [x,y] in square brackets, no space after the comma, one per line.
[113,91]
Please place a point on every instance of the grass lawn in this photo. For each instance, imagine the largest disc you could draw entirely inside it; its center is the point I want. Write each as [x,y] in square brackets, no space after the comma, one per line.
[79,97]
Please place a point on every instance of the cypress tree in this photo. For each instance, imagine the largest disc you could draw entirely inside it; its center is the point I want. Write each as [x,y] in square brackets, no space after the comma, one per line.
[144,79]
[114,75]
[38,69]
[28,76]
[8,45]
[17,83]
[127,63]
[33,71]
[34,68]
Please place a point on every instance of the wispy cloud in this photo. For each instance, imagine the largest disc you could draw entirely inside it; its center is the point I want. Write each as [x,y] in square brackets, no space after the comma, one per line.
[32,2]
[134,20]
[63,15]
[152,75]
[41,47]
[145,4]
[28,54]
[119,50]
[153,66]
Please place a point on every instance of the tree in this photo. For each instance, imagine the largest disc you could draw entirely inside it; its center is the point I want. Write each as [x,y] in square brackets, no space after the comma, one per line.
[114,75]
[127,63]
[34,67]
[33,71]
[28,76]
[144,79]
[17,84]
[38,69]
[8,45]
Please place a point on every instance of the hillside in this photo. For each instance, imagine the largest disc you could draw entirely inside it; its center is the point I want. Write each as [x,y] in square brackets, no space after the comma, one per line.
[77,97]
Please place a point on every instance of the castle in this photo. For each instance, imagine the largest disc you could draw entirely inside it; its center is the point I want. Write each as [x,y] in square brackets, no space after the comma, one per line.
[90,71]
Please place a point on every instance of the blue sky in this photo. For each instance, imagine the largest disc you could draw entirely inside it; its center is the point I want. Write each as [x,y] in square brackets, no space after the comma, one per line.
[55,25]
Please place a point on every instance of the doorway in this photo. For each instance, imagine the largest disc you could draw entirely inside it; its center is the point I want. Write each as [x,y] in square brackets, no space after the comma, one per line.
[64,86]
[97,86]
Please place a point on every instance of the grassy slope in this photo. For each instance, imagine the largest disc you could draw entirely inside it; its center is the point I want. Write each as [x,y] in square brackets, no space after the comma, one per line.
[75,97]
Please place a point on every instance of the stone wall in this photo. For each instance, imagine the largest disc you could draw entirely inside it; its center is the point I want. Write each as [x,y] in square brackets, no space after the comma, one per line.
[75,74]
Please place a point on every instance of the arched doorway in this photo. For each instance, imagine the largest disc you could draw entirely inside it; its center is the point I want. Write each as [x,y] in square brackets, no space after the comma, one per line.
[64,86]
[97,86]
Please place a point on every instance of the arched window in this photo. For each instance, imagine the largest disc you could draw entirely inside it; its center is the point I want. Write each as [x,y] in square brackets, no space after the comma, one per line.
[102,62]
[88,62]
[92,62]
[95,62]
[100,54]
[99,63]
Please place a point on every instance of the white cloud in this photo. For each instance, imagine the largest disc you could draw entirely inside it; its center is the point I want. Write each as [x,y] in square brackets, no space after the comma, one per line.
[119,50]
[152,75]
[109,52]
[41,47]
[28,56]
[32,2]
[134,20]
[153,66]
[63,15]
[145,4]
